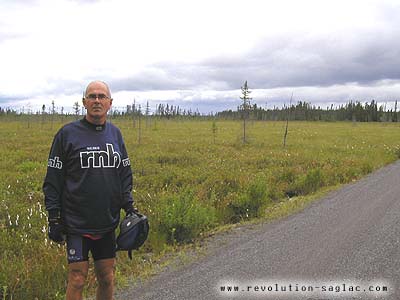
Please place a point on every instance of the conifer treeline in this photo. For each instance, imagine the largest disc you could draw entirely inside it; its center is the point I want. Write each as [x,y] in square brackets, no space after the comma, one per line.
[303,111]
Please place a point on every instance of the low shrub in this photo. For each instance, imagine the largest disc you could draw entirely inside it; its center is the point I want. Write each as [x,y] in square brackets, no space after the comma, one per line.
[366,168]
[313,181]
[397,152]
[306,184]
[183,217]
[248,204]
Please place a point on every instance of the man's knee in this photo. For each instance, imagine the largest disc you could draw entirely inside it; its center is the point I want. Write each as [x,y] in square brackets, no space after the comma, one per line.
[105,279]
[105,272]
[77,279]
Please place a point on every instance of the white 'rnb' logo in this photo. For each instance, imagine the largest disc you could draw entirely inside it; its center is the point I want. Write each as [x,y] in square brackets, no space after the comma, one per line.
[55,163]
[102,159]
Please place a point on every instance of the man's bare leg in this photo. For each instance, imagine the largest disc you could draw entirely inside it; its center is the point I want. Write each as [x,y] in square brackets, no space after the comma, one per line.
[77,273]
[104,269]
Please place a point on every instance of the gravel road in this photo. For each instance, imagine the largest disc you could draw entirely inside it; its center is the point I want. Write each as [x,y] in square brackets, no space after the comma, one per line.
[347,241]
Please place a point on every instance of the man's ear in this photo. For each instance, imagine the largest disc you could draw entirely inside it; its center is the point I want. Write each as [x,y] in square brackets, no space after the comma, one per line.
[111,101]
[84,102]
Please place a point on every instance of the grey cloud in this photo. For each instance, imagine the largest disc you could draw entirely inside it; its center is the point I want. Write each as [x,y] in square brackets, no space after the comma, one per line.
[317,61]
[360,59]
[6,101]
[154,78]
[54,86]
[68,86]
[286,61]
[168,76]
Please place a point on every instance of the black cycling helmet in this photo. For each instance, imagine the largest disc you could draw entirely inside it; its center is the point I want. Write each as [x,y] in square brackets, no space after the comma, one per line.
[134,229]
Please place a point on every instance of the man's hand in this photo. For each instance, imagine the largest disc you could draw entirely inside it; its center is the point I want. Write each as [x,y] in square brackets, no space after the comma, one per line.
[56,230]
[130,210]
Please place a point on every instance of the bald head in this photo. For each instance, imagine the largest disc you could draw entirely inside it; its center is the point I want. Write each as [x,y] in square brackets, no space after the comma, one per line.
[97,101]
[97,83]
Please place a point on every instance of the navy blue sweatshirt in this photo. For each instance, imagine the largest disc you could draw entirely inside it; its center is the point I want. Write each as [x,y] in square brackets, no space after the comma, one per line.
[89,178]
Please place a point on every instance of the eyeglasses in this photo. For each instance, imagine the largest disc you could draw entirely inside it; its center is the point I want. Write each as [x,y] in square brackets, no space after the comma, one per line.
[93,97]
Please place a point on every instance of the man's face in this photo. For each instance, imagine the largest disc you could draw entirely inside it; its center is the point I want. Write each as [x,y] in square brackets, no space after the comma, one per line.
[97,102]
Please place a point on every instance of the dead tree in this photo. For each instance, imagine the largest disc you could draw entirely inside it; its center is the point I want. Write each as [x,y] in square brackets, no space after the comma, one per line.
[287,122]
[244,107]
[140,125]
[76,109]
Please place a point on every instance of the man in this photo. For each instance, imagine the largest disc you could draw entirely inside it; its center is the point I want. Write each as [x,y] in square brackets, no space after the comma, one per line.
[88,181]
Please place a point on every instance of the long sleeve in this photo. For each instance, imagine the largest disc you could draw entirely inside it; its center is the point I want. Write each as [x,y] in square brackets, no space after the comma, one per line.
[126,177]
[54,180]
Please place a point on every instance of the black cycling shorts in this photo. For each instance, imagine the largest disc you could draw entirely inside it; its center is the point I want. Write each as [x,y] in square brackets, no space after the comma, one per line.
[78,247]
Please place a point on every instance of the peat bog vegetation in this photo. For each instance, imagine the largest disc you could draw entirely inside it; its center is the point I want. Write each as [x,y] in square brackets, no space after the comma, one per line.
[190,177]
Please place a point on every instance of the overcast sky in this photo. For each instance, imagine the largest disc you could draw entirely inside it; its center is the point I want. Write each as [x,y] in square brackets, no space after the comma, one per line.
[198,54]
